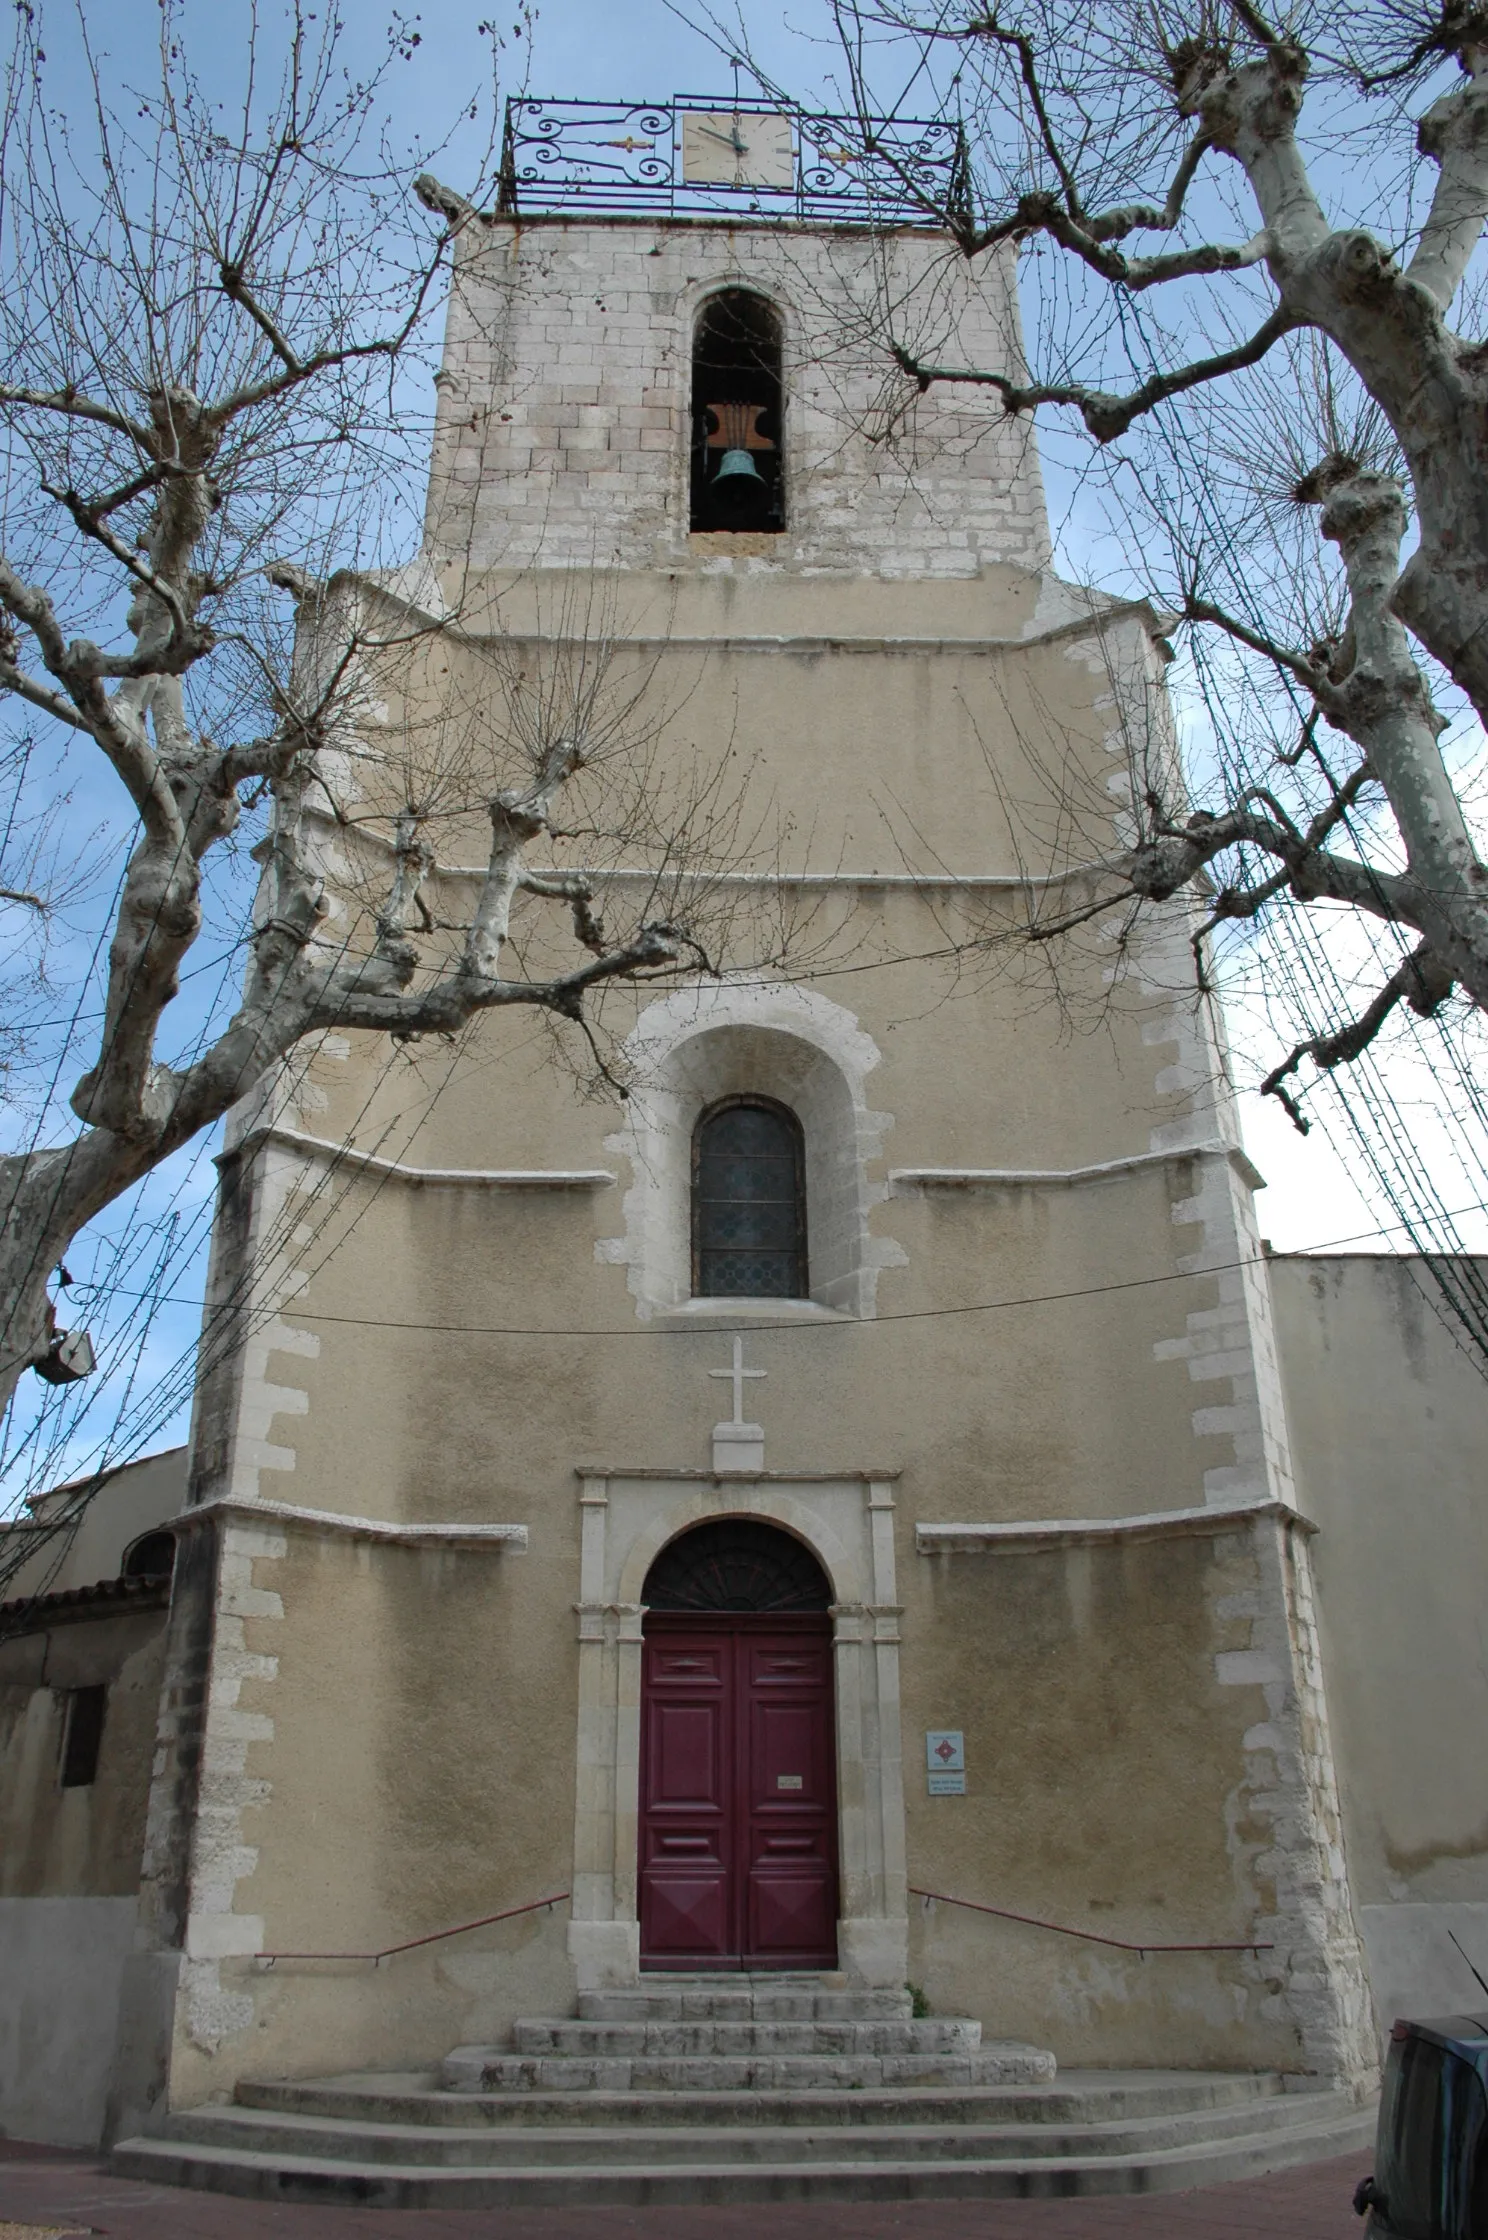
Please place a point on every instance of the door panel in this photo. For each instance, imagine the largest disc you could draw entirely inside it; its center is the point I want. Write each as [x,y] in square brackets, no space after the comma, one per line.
[791,1889]
[686,1916]
[687,1753]
[738,1860]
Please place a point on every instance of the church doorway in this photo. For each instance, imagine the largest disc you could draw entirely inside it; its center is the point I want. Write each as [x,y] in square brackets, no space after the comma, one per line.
[738,1792]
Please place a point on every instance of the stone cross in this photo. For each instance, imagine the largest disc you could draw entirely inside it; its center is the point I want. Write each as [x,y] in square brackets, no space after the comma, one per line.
[736,1377]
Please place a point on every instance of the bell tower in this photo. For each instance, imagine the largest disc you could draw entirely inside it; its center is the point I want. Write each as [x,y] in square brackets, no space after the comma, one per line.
[991,1285]
[646,360]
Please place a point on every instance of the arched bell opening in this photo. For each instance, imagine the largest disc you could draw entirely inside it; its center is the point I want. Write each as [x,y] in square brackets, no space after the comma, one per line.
[738,1774]
[738,481]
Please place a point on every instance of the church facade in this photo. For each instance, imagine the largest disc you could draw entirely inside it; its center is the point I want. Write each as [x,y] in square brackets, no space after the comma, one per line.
[834,1509]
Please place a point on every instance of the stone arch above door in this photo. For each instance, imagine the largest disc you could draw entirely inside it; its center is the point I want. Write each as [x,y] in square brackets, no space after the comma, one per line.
[736,1564]
[697,1046]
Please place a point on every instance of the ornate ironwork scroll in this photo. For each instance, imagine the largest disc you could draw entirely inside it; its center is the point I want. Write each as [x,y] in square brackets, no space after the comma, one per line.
[618,158]
[736,1563]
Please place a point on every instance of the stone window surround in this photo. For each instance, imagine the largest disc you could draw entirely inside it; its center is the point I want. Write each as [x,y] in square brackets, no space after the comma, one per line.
[847,1520]
[696,1046]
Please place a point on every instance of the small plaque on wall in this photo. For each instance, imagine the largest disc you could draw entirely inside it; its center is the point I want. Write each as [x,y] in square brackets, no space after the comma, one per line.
[945,1762]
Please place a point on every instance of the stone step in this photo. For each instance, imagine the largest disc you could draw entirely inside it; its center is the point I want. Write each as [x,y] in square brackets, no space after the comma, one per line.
[673,2039]
[1076,2100]
[771,1998]
[280,2175]
[756,2145]
[1079,2097]
[490,2069]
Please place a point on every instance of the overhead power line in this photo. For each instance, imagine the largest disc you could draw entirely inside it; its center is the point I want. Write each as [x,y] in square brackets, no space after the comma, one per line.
[294,1306]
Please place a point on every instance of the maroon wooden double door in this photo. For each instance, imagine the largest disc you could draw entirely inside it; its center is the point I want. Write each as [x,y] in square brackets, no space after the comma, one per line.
[738,1846]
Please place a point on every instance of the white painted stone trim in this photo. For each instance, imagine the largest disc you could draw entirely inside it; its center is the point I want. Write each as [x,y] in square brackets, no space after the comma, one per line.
[1090,621]
[905,1179]
[744,1477]
[608,874]
[724,1313]
[383,1529]
[909,882]
[1084,1532]
[486,1178]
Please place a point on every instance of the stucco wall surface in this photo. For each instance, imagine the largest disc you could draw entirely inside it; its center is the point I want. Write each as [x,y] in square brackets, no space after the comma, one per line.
[1129,1717]
[392,1754]
[84,1841]
[1389,1417]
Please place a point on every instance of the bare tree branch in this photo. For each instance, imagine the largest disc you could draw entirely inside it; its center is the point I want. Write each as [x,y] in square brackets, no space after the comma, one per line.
[1105,416]
[1423,982]
[73,406]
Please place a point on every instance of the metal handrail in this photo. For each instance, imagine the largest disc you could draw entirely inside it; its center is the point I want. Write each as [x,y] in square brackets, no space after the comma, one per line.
[1089,1936]
[411,1944]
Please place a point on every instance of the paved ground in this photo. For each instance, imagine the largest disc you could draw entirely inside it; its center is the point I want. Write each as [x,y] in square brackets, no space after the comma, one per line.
[47,2192]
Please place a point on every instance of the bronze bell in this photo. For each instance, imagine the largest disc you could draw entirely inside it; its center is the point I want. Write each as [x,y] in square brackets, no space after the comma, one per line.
[740,492]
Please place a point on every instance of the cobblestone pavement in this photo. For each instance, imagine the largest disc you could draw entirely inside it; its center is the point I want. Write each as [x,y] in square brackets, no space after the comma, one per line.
[47,2192]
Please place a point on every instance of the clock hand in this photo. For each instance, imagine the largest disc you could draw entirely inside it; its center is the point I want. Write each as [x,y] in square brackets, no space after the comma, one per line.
[726,139]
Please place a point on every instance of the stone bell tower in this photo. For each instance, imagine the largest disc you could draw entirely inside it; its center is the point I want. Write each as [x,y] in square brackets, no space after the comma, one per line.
[1015,1479]
[599,320]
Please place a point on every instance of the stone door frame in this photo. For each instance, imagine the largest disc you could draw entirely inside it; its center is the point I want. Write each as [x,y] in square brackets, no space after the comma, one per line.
[847,1520]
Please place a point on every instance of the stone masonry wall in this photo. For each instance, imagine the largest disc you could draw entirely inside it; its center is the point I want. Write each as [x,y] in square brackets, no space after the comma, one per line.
[563,419]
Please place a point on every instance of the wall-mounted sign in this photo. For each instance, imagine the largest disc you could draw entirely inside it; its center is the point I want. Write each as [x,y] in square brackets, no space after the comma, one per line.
[945,1762]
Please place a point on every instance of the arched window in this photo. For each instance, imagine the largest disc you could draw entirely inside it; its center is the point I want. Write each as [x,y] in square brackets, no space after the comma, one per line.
[153,1557]
[736,1563]
[748,1202]
[736,415]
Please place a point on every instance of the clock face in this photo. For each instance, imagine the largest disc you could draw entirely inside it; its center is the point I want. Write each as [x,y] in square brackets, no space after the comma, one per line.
[743,148]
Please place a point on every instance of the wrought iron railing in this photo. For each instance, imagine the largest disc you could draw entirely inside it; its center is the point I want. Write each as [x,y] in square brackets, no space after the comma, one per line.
[1088,1936]
[412,1944]
[623,157]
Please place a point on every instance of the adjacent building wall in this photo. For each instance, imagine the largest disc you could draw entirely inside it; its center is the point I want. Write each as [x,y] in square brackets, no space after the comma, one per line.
[80,1537]
[70,1857]
[1388,1407]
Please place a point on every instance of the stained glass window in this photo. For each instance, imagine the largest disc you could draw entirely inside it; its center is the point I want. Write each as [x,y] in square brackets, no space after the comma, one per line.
[748,1203]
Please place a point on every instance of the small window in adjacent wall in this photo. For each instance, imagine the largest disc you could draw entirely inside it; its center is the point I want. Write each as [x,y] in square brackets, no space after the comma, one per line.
[737,479]
[749,1202]
[153,1557]
[80,1744]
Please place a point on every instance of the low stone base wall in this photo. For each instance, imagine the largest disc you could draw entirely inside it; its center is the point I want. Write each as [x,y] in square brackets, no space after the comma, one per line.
[61,1960]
